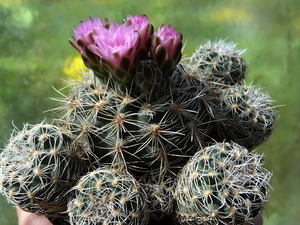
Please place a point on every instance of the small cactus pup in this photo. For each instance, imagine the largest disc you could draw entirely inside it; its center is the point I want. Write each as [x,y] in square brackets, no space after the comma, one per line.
[218,62]
[129,56]
[222,184]
[108,196]
[38,167]
[247,115]
[160,192]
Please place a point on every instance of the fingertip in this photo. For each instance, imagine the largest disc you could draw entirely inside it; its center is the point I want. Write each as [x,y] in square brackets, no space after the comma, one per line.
[258,220]
[26,218]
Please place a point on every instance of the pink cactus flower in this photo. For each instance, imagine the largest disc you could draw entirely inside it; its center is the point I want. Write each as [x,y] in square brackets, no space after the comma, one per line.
[169,37]
[166,43]
[114,50]
[114,43]
[83,33]
[139,22]
[142,25]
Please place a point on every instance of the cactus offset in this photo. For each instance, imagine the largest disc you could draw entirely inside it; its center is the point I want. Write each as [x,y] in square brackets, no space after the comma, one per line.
[39,166]
[219,62]
[248,114]
[160,193]
[108,196]
[222,184]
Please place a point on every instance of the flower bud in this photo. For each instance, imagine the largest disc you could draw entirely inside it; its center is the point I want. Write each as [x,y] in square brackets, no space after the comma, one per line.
[166,48]
[149,77]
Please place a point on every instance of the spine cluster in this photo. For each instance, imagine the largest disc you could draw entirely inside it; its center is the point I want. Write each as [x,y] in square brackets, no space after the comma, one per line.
[171,145]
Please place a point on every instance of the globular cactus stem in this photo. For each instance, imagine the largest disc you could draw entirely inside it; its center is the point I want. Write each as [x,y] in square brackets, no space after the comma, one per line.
[246,114]
[222,184]
[108,196]
[39,166]
[219,62]
[160,192]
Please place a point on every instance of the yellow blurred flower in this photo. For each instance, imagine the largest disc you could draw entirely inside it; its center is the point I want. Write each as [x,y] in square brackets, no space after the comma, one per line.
[295,23]
[11,3]
[233,14]
[74,68]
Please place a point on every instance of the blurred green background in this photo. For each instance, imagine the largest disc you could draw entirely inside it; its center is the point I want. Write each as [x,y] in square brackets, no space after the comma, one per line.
[35,56]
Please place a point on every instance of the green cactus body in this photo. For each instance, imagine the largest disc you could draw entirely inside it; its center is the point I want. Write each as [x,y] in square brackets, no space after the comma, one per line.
[108,196]
[222,184]
[248,115]
[38,167]
[219,62]
[138,134]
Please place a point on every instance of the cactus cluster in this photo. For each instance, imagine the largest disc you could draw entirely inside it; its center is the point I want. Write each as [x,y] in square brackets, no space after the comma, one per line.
[146,136]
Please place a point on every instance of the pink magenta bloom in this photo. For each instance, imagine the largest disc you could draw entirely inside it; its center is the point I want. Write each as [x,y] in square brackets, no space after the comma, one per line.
[116,49]
[168,37]
[139,22]
[83,33]
[142,25]
[114,43]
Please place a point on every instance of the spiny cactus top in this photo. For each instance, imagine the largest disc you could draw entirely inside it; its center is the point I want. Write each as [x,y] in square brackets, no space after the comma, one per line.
[145,137]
